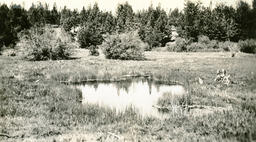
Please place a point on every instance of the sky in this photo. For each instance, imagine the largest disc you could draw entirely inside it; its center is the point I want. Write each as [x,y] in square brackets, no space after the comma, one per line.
[111,5]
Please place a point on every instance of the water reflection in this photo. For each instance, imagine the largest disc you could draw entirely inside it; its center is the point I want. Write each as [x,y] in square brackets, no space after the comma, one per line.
[142,94]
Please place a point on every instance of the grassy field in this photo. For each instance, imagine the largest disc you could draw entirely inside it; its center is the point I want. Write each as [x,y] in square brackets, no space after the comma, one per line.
[36,106]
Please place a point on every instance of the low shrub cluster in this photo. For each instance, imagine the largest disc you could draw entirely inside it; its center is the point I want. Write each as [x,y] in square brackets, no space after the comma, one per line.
[179,45]
[247,46]
[42,44]
[203,44]
[227,46]
[125,46]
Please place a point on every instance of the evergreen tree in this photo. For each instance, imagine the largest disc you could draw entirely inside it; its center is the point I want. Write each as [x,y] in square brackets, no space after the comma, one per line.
[36,15]
[191,20]
[125,17]
[65,13]
[5,28]
[243,19]
[55,16]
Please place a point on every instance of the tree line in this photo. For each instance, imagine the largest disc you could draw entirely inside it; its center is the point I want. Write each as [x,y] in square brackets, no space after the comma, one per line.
[154,25]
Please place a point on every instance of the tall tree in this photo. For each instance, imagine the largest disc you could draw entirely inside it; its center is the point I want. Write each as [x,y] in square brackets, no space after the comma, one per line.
[125,17]
[191,19]
[5,28]
[55,16]
[243,19]
[36,14]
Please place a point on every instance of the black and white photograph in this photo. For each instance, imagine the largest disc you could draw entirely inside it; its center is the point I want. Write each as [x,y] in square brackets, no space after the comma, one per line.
[127,70]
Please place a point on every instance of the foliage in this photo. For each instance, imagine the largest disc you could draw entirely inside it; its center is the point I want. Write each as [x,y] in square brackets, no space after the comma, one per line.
[203,39]
[179,45]
[41,44]
[221,23]
[153,27]
[68,23]
[213,44]
[196,46]
[191,20]
[203,44]
[89,35]
[125,17]
[93,50]
[12,21]
[227,45]
[247,46]
[152,37]
[126,46]
[40,14]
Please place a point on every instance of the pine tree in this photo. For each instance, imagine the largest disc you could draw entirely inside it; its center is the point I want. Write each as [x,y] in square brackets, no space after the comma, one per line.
[191,20]
[36,15]
[55,16]
[243,19]
[125,17]
[5,28]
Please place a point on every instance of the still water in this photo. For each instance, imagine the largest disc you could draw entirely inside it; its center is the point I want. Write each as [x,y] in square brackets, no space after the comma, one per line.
[141,94]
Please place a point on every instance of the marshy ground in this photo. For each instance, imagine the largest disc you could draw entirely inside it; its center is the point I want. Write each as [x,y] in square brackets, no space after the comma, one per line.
[36,105]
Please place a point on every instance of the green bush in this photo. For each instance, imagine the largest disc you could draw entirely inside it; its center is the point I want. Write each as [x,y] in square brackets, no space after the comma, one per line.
[41,44]
[179,45]
[247,46]
[89,35]
[126,46]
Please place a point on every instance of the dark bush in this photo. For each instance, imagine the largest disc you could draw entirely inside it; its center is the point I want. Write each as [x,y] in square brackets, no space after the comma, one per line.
[69,23]
[126,46]
[89,35]
[93,50]
[247,46]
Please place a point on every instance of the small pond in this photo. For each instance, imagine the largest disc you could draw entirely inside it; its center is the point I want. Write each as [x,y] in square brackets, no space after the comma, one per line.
[141,94]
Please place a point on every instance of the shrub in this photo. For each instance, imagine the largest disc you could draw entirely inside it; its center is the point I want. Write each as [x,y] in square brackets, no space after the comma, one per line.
[203,39]
[126,46]
[213,44]
[247,46]
[203,45]
[41,44]
[196,46]
[227,45]
[89,35]
[179,45]
[93,50]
